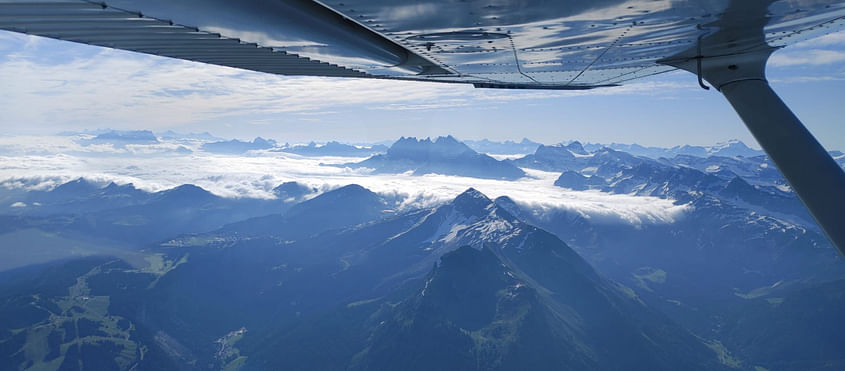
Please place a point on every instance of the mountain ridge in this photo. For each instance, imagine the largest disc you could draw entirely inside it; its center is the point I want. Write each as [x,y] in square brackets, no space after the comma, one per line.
[444,155]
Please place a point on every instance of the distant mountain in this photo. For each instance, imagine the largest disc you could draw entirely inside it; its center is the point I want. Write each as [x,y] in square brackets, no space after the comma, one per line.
[172,135]
[121,138]
[445,155]
[293,191]
[343,207]
[731,148]
[577,182]
[334,149]
[183,209]
[574,157]
[556,158]
[769,198]
[682,178]
[615,171]
[235,146]
[126,214]
[756,170]
[644,179]
[78,196]
[507,147]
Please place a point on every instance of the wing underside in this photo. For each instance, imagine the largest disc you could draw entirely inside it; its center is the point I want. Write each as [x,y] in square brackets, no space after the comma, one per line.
[498,44]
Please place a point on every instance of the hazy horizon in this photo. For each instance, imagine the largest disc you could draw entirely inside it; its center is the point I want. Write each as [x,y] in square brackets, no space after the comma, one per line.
[54,86]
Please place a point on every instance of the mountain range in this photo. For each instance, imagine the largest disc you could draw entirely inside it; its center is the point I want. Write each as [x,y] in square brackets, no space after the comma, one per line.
[235,146]
[107,276]
[334,148]
[731,148]
[466,280]
[507,147]
[122,138]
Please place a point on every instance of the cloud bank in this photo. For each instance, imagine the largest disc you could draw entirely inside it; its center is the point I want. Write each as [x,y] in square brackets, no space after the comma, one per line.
[26,164]
[75,85]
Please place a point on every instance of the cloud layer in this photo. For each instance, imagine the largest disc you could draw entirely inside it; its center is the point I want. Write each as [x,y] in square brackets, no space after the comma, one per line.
[257,173]
[75,85]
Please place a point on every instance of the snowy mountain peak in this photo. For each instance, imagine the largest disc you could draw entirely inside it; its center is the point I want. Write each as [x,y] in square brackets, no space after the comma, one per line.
[473,219]
[414,149]
[473,193]
[731,148]
[472,202]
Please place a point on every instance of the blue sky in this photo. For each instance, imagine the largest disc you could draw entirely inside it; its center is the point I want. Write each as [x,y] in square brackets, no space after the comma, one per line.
[52,86]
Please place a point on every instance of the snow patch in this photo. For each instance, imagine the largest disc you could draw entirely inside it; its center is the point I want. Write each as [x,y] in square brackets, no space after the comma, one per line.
[507,157]
[581,155]
[453,233]
[589,171]
[449,228]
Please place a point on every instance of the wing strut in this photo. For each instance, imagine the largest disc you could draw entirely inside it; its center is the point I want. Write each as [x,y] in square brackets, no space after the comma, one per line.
[813,174]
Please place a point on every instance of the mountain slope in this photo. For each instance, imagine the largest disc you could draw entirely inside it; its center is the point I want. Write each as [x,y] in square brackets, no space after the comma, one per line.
[477,312]
[473,314]
[340,208]
[522,298]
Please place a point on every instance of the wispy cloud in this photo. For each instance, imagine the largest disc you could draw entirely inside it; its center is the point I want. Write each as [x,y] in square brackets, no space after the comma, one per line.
[74,85]
[835,39]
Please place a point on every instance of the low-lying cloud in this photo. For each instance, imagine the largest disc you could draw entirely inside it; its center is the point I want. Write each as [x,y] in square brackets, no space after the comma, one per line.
[255,174]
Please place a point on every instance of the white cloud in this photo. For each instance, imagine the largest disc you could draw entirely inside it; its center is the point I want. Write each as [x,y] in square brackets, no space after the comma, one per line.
[818,51]
[50,83]
[836,39]
[809,79]
[256,174]
[815,57]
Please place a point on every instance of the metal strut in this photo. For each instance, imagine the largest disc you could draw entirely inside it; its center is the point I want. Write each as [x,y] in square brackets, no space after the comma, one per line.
[811,172]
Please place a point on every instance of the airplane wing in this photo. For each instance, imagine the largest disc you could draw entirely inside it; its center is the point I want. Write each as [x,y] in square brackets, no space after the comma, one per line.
[497,43]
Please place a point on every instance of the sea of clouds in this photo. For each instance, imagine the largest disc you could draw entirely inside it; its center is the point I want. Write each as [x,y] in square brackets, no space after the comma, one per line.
[45,162]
